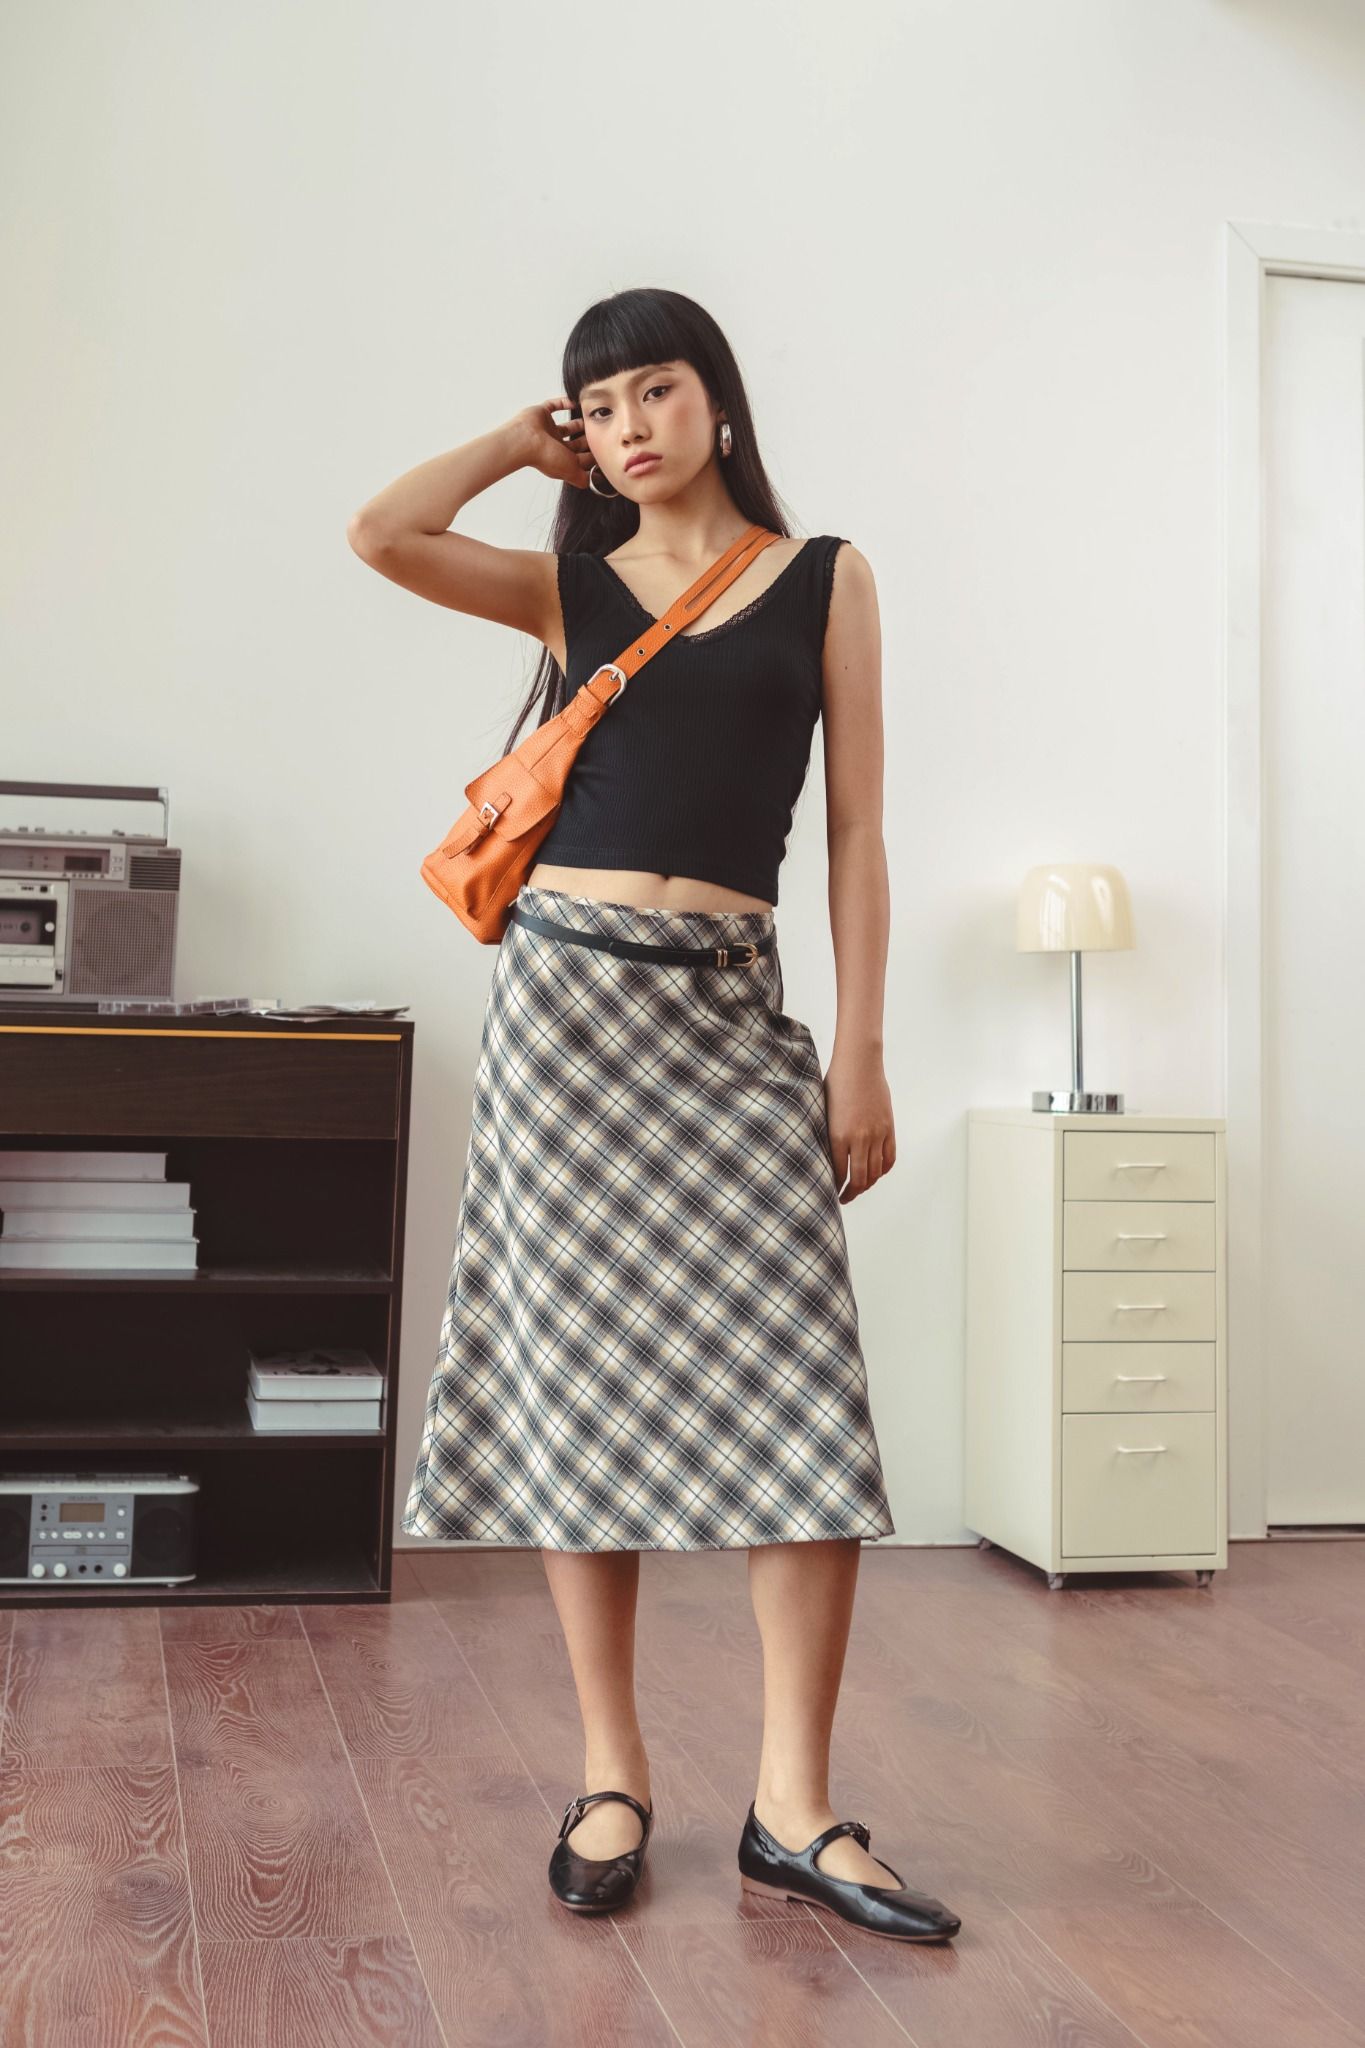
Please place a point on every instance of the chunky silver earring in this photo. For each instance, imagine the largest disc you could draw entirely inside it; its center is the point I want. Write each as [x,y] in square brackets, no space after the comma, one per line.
[593,488]
[726,440]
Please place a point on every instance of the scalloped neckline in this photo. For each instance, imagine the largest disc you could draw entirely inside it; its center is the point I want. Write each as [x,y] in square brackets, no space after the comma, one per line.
[708,632]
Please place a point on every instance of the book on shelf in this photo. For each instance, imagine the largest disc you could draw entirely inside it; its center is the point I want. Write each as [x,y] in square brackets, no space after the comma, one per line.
[107,1212]
[33,1193]
[313,1415]
[140,1166]
[102,1254]
[320,1373]
[29,1222]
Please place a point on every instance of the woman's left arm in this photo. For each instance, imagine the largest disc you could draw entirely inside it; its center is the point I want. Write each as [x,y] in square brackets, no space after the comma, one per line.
[858,1099]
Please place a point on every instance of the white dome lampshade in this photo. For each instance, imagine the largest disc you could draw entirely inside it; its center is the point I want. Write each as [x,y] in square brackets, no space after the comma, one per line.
[1074,907]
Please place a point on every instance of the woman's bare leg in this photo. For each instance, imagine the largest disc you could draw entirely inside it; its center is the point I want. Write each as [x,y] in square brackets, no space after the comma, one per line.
[594,1593]
[802,1596]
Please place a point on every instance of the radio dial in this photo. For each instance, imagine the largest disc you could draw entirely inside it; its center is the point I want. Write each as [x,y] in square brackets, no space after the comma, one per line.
[120,1571]
[59,1571]
[40,1571]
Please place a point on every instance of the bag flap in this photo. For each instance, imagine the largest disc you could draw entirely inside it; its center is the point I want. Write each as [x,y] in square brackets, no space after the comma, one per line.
[520,798]
[468,827]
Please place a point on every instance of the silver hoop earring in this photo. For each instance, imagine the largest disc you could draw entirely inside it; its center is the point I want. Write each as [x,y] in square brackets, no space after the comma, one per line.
[726,439]
[593,488]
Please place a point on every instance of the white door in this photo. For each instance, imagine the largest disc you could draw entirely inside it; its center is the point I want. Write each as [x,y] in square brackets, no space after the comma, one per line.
[1313,898]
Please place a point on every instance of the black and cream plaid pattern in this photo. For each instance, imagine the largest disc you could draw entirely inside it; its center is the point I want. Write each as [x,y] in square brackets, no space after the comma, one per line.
[651,1340]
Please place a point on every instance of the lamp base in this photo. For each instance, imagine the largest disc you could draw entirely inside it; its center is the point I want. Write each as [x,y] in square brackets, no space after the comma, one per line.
[1062,1102]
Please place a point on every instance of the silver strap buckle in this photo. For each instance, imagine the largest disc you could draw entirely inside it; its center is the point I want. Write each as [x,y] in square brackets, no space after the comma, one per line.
[575,1808]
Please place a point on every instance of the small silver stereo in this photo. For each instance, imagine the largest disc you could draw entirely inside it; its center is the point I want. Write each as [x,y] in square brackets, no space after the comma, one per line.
[97,1529]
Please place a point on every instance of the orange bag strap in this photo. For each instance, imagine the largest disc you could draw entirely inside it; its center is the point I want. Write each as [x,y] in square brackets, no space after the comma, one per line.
[547,752]
[693,602]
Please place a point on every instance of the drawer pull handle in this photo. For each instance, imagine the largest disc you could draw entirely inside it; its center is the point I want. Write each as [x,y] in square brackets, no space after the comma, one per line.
[1122,1305]
[1135,1376]
[1127,1165]
[1154,1235]
[1127,1449]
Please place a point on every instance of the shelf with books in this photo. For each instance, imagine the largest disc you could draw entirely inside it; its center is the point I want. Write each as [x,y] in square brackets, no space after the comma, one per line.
[188,1367]
[286,1174]
[173,1207]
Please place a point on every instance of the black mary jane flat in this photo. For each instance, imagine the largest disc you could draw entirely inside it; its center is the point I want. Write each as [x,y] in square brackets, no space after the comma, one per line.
[596,1884]
[766,1865]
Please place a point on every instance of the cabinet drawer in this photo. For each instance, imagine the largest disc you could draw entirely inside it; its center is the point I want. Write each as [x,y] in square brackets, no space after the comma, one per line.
[1139,1307]
[129,1082]
[1136,1378]
[1139,1485]
[1131,1237]
[1138,1166]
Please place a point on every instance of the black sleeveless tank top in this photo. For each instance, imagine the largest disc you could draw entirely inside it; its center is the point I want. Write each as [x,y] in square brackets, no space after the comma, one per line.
[697,768]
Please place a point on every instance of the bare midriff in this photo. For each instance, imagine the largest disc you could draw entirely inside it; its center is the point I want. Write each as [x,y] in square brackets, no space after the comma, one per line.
[642,889]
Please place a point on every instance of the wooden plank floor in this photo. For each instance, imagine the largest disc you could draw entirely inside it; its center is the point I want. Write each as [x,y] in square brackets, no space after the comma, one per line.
[232,1827]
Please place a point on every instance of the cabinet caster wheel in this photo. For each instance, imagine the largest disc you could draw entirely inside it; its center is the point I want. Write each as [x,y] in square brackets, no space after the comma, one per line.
[983,1542]
[1054,1580]
[1203,1578]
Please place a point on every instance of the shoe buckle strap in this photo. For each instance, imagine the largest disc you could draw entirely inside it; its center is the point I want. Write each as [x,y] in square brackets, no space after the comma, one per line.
[573,1813]
[857,1828]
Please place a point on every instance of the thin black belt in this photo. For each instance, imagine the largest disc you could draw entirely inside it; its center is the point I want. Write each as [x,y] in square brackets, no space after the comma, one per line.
[742,954]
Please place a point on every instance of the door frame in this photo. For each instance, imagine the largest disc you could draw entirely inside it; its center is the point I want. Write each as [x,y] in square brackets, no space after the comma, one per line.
[1253,250]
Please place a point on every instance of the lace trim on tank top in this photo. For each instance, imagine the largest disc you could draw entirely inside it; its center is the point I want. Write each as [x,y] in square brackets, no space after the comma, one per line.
[747,611]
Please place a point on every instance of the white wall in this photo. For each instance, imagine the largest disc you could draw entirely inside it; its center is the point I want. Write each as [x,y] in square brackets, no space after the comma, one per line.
[261,258]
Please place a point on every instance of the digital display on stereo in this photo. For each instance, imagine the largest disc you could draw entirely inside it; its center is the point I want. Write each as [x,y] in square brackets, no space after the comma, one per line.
[80,1511]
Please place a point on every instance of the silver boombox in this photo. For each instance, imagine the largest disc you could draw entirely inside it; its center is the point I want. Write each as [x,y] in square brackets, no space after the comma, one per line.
[86,915]
[84,1529]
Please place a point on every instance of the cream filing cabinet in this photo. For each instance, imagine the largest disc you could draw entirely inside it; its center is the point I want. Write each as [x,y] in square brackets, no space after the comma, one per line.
[1096,1355]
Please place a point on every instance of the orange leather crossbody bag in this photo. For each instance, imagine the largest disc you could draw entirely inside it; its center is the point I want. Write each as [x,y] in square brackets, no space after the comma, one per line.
[480,865]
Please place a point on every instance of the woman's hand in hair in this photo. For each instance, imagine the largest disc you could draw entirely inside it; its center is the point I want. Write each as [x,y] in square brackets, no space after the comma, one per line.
[557,448]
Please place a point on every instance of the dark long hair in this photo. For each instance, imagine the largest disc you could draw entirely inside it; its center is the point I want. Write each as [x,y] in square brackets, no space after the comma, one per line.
[646,325]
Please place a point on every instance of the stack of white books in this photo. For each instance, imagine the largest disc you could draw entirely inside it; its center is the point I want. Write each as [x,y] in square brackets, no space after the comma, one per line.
[114,1211]
[318,1389]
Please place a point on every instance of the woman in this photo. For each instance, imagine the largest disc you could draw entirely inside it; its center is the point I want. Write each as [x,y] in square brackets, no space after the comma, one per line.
[651,1340]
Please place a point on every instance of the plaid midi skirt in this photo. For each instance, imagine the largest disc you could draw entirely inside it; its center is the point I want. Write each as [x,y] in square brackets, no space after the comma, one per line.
[650,1340]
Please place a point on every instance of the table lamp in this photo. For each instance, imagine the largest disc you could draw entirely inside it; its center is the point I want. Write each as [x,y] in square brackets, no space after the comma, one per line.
[1074,907]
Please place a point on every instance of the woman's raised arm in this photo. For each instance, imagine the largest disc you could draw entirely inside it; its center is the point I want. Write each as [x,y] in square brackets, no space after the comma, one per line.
[403,532]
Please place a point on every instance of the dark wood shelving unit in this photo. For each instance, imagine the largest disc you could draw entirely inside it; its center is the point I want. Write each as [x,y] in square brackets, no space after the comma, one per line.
[293,1136]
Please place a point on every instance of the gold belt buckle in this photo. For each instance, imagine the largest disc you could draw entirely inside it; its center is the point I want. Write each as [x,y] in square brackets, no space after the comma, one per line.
[745,954]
